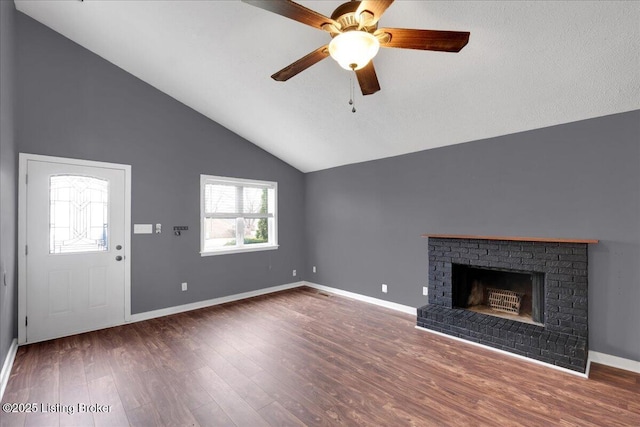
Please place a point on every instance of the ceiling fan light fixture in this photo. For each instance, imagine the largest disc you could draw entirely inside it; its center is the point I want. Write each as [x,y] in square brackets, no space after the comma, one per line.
[354,49]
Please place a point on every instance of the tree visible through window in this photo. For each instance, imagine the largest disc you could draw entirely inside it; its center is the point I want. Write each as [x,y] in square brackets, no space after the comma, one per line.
[263,229]
[237,215]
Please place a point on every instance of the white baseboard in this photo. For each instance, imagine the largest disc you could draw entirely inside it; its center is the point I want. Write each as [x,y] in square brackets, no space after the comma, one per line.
[7,365]
[497,350]
[388,304]
[614,361]
[211,302]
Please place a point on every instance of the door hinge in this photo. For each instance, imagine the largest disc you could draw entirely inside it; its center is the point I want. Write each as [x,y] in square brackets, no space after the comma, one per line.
[26,249]
[26,178]
[26,321]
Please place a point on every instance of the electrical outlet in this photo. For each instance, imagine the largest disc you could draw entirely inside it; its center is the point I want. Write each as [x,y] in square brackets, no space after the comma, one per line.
[295,273]
[425,290]
[184,286]
[314,268]
[384,288]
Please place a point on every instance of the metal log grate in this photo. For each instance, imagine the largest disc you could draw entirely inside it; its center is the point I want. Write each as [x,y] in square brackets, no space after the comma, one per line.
[503,300]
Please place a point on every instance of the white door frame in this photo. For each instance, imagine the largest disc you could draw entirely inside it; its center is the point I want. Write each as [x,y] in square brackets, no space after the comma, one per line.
[22,231]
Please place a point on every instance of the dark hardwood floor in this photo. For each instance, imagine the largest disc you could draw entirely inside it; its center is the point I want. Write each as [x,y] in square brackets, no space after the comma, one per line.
[299,358]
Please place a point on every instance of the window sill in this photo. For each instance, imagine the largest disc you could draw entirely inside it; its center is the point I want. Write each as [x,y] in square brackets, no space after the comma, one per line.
[239,250]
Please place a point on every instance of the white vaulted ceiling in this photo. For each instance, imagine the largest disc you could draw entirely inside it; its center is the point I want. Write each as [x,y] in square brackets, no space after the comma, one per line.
[528,64]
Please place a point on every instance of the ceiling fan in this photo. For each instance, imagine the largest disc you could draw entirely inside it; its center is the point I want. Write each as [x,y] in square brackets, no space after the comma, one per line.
[353,27]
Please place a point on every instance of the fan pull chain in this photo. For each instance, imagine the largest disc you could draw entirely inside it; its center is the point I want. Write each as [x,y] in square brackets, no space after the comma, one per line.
[352,101]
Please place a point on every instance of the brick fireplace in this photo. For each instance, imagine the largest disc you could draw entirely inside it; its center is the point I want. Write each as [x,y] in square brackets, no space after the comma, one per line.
[471,277]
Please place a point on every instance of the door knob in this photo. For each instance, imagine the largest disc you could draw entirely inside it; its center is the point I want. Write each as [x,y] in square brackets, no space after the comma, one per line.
[118,258]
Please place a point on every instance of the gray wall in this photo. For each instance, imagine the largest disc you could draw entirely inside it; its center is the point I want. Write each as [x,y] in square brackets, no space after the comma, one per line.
[8,176]
[581,180]
[72,103]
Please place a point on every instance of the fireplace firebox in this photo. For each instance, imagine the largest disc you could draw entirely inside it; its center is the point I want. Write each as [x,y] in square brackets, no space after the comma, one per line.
[511,294]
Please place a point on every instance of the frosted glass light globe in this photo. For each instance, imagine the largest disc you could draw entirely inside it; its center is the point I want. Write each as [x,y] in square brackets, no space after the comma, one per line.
[354,49]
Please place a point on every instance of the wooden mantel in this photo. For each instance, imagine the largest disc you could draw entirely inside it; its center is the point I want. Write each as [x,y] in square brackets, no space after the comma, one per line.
[512,238]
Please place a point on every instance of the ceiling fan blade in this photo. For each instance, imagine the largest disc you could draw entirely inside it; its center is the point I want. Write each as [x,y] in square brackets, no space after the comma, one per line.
[375,7]
[295,11]
[368,79]
[445,41]
[301,64]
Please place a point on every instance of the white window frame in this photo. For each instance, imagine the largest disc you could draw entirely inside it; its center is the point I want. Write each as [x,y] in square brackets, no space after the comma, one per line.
[240,246]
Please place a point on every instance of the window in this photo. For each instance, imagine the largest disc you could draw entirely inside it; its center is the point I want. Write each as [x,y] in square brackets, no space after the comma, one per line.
[78,214]
[237,215]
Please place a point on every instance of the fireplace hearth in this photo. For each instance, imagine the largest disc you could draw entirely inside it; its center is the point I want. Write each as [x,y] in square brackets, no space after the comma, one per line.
[524,296]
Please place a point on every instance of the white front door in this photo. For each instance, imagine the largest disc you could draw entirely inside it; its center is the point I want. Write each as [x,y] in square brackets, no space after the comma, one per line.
[75,247]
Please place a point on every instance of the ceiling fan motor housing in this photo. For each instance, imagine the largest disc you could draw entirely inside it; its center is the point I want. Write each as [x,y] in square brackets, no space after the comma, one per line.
[345,15]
